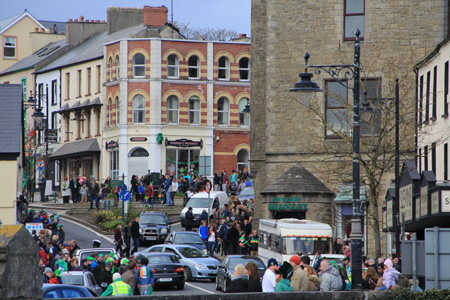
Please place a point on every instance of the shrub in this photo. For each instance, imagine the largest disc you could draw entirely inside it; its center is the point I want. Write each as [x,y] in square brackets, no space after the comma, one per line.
[407,294]
[111,225]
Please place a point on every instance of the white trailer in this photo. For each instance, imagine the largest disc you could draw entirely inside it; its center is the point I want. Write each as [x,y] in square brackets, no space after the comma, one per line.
[281,239]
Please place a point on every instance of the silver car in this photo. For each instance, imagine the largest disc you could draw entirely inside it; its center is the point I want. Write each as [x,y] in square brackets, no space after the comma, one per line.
[196,264]
[82,278]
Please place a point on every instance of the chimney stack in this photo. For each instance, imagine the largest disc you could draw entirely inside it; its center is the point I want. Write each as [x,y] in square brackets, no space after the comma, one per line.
[155,16]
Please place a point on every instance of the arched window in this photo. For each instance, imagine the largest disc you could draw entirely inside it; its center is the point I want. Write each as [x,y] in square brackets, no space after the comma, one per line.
[110,62]
[138,106]
[109,112]
[139,152]
[138,65]
[172,110]
[244,69]
[194,67]
[117,111]
[244,118]
[117,68]
[243,158]
[223,111]
[194,111]
[223,68]
[173,65]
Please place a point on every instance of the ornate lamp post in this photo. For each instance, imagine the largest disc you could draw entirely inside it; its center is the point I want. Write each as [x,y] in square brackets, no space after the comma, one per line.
[306,89]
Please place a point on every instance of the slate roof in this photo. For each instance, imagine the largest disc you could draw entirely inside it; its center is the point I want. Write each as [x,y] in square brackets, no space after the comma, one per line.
[345,193]
[10,118]
[31,60]
[78,148]
[297,180]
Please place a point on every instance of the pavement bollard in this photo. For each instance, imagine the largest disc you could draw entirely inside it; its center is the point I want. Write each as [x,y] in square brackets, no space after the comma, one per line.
[109,204]
[54,197]
[104,203]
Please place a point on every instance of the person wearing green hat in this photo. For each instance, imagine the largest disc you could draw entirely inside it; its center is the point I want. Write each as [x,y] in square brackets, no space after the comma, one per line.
[30,216]
[282,275]
[56,279]
[60,233]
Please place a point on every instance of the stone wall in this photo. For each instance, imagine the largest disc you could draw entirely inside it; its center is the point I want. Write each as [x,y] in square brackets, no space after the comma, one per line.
[398,34]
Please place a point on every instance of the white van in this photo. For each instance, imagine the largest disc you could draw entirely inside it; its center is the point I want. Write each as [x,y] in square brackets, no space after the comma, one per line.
[284,238]
[199,202]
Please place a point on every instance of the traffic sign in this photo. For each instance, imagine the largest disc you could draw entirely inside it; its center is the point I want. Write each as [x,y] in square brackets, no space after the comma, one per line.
[40,163]
[125,195]
[208,186]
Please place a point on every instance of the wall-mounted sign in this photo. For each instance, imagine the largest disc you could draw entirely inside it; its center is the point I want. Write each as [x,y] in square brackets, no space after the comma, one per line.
[406,198]
[287,204]
[112,145]
[184,143]
[138,139]
[423,201]
[445,201]
[435,202]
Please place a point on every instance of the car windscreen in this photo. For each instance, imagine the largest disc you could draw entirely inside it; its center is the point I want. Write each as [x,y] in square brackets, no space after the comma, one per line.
[243,261]
[194,239]
[248,191]
[72,279]
[162,259]
[307,245]
[191,252]
[197,202]
[153,219]
[86,254]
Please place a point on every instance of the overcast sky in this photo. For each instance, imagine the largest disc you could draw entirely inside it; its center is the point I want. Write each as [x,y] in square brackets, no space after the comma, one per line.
[230,14]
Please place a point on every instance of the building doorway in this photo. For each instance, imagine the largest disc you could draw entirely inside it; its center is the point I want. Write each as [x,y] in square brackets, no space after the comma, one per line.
[138,162]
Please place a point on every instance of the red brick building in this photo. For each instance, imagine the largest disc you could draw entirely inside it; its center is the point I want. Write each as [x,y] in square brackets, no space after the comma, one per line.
[174,104]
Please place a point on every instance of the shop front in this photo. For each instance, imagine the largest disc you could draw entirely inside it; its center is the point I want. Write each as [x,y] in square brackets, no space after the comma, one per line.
[183,156]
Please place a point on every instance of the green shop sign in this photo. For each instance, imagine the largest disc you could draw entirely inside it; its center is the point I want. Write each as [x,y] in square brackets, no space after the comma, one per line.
[287,204]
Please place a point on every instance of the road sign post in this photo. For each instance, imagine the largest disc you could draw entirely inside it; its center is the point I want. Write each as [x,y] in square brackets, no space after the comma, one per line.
[208,190]
[123,196]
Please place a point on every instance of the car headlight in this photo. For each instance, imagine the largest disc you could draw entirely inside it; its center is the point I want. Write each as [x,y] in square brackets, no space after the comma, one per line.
[205,251]
[164,230]
[141,231]
[199,266]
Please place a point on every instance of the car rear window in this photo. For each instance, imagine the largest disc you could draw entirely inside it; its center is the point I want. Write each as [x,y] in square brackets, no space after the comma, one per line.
[191,252]
[86,254]
[162,259]
[236,261]
[72,279]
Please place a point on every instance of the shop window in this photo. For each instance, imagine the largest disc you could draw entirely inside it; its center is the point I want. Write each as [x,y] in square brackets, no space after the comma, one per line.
[110,63]
[117,68]
[138,106]
[9,46]
[223,111]
[110,112]
[194,67]
[173,65]
[117,111]
[244,69]
[244,118]
[223,68]
[88,81]
[172,110]
[179,161]
[353,18]
[54,92]
[138,65]
[243,159]
[194,111]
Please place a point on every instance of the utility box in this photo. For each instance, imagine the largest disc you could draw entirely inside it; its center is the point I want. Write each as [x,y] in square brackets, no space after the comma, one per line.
[437,258]
[20,275]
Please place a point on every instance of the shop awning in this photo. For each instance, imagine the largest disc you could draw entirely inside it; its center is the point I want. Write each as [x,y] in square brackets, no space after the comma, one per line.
[74,149]
[345,193]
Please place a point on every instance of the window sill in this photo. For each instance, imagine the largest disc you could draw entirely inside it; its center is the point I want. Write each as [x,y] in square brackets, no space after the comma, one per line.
[433,118]
[77,139]
[87,137]
[223,79]
[97,135]
[169,77]
[67,99]
[426,122]
[194,78]
[194,124]
[172,124]
[65,141]
[244,80]
[97,93]
[78,97]
[10,58]
[87,95]
[444,116]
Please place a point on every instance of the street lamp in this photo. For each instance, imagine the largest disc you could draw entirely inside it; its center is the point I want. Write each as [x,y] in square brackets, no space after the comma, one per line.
[305,85]
[366,114]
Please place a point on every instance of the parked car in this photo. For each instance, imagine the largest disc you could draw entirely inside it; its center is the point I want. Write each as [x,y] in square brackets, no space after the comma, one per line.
[166,267]
[86,252]
[186,238]
[62,291]
[246,194]
[196,264]
[82,278]
[199,202]
[153,227]
[226,269]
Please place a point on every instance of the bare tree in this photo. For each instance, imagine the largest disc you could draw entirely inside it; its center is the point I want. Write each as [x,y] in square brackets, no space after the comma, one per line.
[207,34]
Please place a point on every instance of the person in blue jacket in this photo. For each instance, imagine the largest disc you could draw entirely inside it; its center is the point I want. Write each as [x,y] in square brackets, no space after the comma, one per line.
[168,189]
[203,230]
[145,278]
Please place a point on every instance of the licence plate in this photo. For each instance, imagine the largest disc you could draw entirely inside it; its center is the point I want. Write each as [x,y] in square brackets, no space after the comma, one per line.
[214,272]
[150,238]
[165,279]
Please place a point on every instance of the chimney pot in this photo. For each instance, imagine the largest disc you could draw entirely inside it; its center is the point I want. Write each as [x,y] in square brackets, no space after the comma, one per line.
[36,29]
[81,19]
[92,21]
[42,30]
[70,20]
[76,20]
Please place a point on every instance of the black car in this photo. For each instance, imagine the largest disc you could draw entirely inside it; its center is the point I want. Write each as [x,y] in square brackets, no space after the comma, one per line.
[166,267]
[63,291]
[226,269]
[153,227]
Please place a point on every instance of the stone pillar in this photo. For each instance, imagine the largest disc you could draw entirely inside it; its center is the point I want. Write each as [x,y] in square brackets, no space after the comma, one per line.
[19,264]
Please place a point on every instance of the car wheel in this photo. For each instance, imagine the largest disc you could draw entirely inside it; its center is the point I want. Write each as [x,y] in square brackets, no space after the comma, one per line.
[180,286]
[187,274]
[224,289]
[217,285]
[213,279]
